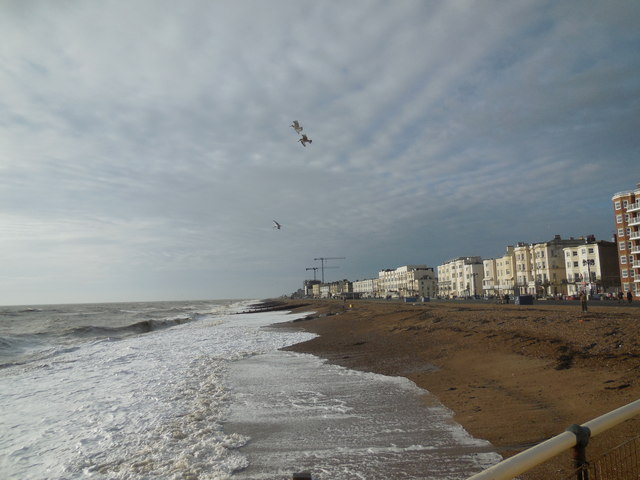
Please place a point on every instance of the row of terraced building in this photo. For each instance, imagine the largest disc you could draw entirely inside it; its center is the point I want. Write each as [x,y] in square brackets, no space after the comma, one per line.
[554,268]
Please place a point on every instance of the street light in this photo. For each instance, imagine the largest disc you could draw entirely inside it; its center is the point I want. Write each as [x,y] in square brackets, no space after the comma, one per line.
[588,263]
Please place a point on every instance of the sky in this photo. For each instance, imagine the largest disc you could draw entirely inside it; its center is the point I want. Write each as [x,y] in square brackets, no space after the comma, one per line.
[146,147]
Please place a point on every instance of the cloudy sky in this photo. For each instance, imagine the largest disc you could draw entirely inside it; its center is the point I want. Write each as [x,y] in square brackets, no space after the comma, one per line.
[145,146]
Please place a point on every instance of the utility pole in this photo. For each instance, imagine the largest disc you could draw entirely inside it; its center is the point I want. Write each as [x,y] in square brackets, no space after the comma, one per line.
[322,267]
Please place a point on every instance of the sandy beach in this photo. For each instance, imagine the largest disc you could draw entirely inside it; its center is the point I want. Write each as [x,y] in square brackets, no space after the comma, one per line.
[513,375]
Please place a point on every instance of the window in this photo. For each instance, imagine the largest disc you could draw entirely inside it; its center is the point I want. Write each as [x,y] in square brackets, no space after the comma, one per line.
[623,259]
[575,253]
[584,251]
[575,264]
[621,232]
[625,203]
[618,218]
[591,250]
[568,264]
[625,273]
[617,204]
[621,245]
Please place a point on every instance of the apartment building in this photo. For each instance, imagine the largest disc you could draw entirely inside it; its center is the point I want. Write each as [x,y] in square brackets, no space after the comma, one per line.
[592,267]
[499,274]
[490,279]
[461,277]
[366,288]
[540,267]
[340,288]
[626,207]
[407,281]
[308,287]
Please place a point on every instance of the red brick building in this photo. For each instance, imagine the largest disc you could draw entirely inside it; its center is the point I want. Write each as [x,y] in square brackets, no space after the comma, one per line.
[626,211]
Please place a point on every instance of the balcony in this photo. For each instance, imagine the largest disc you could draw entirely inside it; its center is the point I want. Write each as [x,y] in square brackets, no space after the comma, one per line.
[634,235]
[633,207]
[634,221]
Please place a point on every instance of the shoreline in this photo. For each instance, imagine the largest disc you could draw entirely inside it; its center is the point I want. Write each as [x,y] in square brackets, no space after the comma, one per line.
[512,375]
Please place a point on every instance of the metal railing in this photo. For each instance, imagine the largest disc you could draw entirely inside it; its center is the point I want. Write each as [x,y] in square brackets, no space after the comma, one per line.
[576,437]
[619,463]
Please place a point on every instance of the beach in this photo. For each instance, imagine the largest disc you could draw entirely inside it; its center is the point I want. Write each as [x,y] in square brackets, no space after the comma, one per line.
[513,375]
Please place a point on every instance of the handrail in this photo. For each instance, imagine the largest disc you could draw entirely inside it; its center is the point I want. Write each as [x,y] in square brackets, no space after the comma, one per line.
[523,461]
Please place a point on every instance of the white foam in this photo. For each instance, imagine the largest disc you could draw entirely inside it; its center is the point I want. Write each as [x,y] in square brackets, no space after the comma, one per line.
[304,414]
[164,404]
[148,406]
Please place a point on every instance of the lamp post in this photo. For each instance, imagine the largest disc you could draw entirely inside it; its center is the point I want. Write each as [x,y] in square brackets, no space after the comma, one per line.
[588,263]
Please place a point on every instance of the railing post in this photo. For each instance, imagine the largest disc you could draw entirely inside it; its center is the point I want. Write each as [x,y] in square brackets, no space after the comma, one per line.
[580,450]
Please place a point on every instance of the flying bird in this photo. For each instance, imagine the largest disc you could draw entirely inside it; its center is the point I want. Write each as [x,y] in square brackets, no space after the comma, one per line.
[304,140]
[276,225]
[296,126]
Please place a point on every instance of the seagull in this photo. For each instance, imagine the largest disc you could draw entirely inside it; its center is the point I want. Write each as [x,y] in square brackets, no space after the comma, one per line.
[296,126]
[276,225]
[304,140]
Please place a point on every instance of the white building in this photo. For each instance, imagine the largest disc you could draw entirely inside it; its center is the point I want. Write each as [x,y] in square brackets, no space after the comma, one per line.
[407,281]
[461,277]
[490,279]
[366,288]
[540,267]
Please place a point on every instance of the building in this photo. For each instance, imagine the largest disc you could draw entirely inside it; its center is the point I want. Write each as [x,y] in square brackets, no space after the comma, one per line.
[499,274]
[490,280]
[341,289]
[506,272]
[592,267]
[308,287]
[366,288]
[522,258]
[540,267]
[407,281]
[461,277]
[626,211]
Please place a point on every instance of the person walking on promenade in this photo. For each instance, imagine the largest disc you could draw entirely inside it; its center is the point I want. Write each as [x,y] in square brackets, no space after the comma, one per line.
[629,296]
[583,300]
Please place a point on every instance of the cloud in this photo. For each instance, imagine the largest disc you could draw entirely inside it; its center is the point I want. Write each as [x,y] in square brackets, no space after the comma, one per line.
[146,147]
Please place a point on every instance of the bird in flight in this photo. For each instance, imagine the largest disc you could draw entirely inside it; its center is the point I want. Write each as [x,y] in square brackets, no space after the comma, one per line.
[276,225]
[304,140]
[296,126]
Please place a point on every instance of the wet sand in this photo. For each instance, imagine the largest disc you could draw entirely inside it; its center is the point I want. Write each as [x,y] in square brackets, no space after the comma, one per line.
[513,375]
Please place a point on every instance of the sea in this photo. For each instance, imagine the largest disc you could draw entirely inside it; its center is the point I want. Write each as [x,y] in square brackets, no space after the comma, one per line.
[198,390]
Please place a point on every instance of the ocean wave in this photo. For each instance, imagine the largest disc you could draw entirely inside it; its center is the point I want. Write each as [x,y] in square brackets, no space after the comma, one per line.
[23,348]
[11,344]
[143,326]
